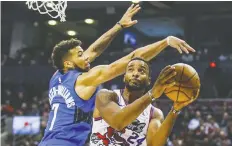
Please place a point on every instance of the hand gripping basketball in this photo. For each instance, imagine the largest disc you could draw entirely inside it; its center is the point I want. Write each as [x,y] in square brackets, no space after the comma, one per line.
[179,105]
[164,80]
[187,84]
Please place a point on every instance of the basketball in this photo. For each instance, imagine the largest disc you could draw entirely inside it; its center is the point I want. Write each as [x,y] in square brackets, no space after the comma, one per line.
[187,84]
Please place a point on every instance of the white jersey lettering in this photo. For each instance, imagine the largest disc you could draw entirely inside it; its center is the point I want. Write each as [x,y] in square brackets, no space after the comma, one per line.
[133,135]
[64,92]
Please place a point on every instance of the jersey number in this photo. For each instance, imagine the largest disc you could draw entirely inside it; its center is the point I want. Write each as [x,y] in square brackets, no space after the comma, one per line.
[55,107]
[132,139]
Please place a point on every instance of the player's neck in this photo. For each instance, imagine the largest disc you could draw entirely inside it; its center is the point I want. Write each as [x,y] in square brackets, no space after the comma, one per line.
[131,96]
[65,70]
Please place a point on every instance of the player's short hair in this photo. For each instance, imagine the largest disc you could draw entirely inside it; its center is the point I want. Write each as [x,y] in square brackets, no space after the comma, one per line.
[61,49]
[141,59]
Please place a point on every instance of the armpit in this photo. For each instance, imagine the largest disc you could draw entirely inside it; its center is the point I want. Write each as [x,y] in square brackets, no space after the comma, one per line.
[157,114]
[107,95]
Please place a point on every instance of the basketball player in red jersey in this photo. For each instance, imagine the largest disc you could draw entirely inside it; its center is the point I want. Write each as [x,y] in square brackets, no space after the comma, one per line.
[127,117]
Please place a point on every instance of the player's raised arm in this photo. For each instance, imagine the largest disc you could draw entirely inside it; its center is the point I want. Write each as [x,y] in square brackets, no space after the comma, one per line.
[103,73]
[102,43]
[87,82]
[150,51]
[157,118]
[165,129]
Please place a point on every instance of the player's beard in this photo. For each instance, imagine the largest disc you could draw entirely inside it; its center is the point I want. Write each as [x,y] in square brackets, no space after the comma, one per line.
[81,70]
[140,86]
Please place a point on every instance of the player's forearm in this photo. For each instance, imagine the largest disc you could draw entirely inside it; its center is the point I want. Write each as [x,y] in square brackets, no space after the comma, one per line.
[127,115]
[150,51]
[164,131]
[147,53]
[102,43]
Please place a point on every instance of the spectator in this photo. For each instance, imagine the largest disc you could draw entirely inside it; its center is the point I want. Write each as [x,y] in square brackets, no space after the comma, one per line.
[187,57]
[224,120]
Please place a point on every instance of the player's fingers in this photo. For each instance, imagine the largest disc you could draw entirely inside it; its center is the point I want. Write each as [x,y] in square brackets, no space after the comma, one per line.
[197,94]
[183,48]
[183,104]
[169,77]
[168,71]
[170,84]
[133,22]
[189,47]
[179,49]
[166,68]
[135,11]
[134,8]
[180,105]
[130,8]
[187,102]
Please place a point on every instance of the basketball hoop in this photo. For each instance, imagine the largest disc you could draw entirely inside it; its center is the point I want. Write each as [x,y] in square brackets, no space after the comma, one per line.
[54,9]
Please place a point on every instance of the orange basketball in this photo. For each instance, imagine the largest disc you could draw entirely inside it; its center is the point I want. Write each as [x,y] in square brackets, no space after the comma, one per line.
[187,84]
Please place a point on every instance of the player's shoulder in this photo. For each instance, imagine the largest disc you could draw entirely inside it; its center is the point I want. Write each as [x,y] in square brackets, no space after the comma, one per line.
[55,73]
[107,95]
[88,78]
[106,92]
[157,113]
[95,69]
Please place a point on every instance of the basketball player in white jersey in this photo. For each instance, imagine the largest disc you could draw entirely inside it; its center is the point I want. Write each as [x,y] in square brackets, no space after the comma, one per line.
[127,117]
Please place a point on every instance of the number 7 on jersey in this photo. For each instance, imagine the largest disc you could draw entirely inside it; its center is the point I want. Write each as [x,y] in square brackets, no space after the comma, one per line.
[55,109]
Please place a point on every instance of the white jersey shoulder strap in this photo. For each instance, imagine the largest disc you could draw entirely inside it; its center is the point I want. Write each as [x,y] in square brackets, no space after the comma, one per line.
[121,101]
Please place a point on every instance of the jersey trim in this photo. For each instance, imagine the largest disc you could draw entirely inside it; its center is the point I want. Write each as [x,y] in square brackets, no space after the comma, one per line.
[151,113]
[97,119]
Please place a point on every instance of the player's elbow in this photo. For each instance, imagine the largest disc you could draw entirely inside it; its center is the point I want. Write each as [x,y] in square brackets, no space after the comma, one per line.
[117,123]
[115,69]
[141,54]
[160,115]
[117,126]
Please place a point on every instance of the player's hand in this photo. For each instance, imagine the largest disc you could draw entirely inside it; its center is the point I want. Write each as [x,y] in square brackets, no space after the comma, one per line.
[164,80]
[179,44]
[126,20]
[179,105]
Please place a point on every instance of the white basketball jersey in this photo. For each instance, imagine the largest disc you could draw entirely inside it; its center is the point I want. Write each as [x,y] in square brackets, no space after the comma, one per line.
[132,135]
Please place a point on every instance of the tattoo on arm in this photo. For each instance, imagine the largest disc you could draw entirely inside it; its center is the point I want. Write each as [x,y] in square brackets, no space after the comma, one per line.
[97,48]
[106,96]
[104,42]
[133,55]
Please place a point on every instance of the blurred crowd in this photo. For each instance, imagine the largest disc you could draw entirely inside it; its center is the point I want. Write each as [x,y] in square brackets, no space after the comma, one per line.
[207,123]
[33,56]
[21,103]
[27,57]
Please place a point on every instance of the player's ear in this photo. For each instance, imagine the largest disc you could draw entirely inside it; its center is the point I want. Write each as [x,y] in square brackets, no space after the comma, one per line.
[124,78]
[149,81]
[68,64]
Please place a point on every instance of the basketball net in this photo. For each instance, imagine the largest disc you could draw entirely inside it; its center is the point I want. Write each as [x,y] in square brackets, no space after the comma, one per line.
[54,9]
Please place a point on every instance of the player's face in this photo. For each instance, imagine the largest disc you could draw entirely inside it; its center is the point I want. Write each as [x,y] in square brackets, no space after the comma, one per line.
[77,59]
[137,75]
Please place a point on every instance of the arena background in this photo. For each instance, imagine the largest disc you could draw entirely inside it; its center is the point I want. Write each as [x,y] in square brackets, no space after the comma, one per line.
[27,41]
